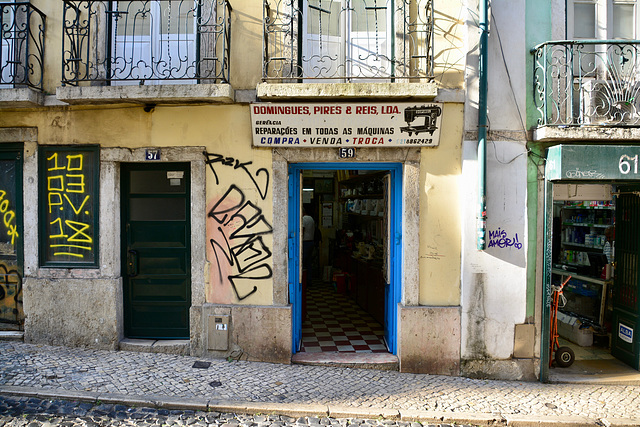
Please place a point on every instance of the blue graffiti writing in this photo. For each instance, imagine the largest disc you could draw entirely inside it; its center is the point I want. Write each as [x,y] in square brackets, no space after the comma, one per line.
[499,238]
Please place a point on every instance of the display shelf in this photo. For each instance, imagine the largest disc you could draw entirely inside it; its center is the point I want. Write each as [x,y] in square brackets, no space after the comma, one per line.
[585,224]
[581,238]
[582,245]
[573,275]
[367,215]
[603,283]
[589,207]
[362,196]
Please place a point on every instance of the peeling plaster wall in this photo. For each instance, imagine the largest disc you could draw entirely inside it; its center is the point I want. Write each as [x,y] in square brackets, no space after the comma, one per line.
[494,281]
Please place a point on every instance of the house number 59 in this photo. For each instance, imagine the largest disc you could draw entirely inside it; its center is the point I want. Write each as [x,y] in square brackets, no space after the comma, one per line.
[625,166]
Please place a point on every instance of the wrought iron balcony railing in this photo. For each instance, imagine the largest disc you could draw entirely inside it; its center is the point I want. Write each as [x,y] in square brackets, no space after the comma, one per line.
[22,31]
[587,82]
[146,41]
[347,40]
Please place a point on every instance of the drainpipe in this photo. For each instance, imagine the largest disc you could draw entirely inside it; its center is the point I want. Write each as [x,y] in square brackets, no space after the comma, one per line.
[482,126]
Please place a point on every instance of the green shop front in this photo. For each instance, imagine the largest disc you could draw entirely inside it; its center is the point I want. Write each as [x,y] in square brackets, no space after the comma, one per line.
[592,233]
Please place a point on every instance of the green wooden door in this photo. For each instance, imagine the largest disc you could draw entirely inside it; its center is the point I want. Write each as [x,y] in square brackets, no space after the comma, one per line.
[156,257]
[625,326]
[11,313]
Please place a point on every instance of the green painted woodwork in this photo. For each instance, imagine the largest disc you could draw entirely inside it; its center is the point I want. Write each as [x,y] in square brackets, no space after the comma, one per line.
[156,250]
[593,162]
[626,311]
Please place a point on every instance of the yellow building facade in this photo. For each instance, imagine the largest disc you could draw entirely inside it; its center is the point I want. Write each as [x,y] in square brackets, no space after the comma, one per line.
[160,208]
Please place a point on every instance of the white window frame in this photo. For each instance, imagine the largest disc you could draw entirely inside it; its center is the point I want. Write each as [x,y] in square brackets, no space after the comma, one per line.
[155,44]
[603,19]
[8,53]
[346,53]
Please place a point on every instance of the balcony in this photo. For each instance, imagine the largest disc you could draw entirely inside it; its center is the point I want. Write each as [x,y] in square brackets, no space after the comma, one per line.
[587,89]
[350,44]
[169,51]
[22,32]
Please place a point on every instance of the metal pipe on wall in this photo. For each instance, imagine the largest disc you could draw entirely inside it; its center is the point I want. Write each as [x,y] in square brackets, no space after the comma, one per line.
[482,126]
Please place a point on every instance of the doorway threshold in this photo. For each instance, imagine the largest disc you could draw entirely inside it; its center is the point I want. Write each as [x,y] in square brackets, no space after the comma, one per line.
[379,361]
[602,371]
[180,347]
[11,336]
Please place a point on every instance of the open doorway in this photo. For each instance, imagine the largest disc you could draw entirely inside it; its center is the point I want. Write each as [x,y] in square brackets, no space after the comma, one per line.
[348,280]
[590,238]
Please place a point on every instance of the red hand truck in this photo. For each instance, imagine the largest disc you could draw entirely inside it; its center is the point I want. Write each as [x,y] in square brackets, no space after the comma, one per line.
[564,356]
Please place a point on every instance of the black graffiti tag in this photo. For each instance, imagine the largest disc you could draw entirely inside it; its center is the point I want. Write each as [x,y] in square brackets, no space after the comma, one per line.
[236,164]
[242,225]
[6,276]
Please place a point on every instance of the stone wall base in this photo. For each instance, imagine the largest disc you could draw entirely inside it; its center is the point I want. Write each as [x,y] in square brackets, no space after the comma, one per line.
[511,369]
[429,340]
[255,333]
[73,312]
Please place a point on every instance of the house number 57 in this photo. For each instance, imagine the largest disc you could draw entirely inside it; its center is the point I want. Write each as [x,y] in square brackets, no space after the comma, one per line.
[625,166]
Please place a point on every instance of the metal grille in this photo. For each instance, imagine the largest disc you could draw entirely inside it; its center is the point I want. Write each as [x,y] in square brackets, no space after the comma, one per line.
[146,42]
[347,40]
[22,32]
[627,250]
[587,82]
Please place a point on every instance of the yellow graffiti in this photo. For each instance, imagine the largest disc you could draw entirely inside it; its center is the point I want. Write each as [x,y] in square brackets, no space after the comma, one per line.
[60,227]
[68,253]
[9,217]
[70,246]
[79,158]
[78,227]
[54,157]
[51,204]
[79,231]
[77,211]
[79,184]
[51,179]
[68,228]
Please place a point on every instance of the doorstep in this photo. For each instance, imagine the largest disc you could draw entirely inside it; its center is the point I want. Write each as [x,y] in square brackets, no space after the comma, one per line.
[11,336]
[180,347]
[380,361]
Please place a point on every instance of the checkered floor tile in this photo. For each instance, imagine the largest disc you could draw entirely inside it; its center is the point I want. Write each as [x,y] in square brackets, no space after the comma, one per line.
[336,323]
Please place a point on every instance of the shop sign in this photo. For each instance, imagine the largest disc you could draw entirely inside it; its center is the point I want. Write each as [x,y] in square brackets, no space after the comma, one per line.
[625,333]
[593,162]
[346,125]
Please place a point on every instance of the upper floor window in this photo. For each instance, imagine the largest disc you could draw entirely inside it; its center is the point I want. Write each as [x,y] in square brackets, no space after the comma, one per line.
[146,41]
[348,40]
[153,40]
[593,77]
[347,34]
[22,31]
[602,19]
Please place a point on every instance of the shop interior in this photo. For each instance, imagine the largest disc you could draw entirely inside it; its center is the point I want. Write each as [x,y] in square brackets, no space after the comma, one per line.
[345,275]
[583,247]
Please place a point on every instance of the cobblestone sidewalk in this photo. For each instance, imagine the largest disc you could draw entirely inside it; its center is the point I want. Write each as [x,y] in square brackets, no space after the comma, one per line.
[32,412]
[54,371]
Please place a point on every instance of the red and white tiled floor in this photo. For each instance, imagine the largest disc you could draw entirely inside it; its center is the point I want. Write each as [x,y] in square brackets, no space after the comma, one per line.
[335,323]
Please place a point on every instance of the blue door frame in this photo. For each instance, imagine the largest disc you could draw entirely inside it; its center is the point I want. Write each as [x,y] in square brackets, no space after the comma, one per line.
[392,290]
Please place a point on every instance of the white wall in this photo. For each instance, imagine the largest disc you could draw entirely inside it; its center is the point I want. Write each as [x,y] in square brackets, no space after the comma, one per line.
[494,280]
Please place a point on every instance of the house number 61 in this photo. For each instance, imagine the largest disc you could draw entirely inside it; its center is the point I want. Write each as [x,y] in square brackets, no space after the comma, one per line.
[625,166]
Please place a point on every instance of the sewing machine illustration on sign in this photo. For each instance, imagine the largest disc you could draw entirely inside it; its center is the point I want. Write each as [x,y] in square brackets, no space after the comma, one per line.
[429,113]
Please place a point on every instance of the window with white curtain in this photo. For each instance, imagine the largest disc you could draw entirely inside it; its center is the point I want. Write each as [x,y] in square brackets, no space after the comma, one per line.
[349,38]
